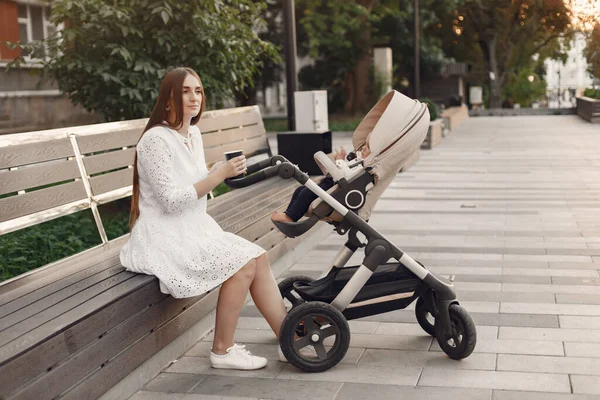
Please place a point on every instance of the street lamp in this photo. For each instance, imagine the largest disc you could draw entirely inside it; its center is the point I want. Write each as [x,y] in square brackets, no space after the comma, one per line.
[291,79]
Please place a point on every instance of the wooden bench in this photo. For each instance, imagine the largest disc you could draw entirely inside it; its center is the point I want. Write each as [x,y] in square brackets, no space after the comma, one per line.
[74,328]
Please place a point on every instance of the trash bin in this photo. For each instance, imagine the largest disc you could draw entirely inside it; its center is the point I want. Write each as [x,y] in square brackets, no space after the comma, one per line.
[300,147]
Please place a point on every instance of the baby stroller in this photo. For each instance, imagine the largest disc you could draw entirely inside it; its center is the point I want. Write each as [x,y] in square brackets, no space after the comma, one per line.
[388,278]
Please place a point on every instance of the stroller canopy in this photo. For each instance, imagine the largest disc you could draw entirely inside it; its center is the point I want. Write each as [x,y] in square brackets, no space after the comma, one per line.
[397,126]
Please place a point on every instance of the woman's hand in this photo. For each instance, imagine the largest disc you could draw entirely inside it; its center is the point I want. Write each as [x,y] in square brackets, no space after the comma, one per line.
[341,154]
[216,166]
[231,168]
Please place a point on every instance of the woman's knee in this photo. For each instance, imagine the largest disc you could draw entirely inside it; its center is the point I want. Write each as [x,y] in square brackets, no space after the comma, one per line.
[247,271]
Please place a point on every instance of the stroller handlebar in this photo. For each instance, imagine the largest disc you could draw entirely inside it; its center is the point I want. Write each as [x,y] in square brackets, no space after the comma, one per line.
[265,169]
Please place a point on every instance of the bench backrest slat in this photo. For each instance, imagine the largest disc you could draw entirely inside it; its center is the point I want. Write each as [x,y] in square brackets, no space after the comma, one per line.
[109,140]
[30,153]
[28,203]
[32,176]
[229,118]
[111,181]
[109,161]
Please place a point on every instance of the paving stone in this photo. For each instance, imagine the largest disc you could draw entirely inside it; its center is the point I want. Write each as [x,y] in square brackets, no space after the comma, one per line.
[554,383]
[174,383]
[201,365]
[541,308]
[275,389]
[562,334]
[513,395]
[355,391]
[407,376]
[568,280]
[182,396]
[573,349]
[585,384]
[555,288]
[579,322]
[551,272]
[394,342]
[503,278]
[398,358]
[506,296]
[387,328]
[557,365]
[524,320]
[506,346]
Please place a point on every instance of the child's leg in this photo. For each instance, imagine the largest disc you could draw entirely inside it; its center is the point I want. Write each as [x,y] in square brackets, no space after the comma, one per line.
[300,203]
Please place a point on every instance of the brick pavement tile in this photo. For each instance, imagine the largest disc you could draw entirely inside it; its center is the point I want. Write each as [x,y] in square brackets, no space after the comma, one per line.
[554,383]
[355,391]
[522,320]
[399,358]
[551,272]
[201,366]
[472,295]
[394,342]
[274,389]
[547,257]
[556,365]
[554,288]
[357,374]
[585,384]
[542,308]
[573,349]
[559,334]
[503,279]
[577,298]
[514,395]
[465,270]
[567,280]
[182,396]
[579,322]
[387,328]
[174,383]
[514,346]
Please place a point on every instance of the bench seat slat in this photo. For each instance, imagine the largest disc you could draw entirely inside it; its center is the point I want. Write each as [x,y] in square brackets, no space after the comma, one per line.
[65,343]
[16,155]
[101,350]
[108,161]
[57,296]
[43,199]
[72,316]
[38,175]
[54,313]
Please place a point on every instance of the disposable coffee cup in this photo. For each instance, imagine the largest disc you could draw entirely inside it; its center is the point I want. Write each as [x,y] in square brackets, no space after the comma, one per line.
[233,154]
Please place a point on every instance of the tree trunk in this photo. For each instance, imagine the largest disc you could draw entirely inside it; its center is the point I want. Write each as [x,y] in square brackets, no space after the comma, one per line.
[495,84]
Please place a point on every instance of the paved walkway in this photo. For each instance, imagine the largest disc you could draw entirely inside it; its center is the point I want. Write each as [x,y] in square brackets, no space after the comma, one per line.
[508,205]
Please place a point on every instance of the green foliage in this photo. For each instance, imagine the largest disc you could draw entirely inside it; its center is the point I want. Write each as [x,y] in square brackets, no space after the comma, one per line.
[38,245]
[111,56]
[592,93]
[520,90]
[592,51]
[434,112]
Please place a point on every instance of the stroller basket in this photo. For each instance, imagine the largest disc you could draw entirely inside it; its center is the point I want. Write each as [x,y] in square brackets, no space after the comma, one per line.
[388,279]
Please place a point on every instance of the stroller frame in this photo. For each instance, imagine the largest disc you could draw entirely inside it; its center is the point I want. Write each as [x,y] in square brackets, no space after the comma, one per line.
[436,296]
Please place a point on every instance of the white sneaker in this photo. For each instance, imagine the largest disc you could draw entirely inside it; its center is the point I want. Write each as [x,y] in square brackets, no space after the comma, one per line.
[307,352]
[237,357]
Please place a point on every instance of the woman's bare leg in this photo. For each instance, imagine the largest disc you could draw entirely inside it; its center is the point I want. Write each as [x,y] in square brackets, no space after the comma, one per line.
[229,305]
[266,295]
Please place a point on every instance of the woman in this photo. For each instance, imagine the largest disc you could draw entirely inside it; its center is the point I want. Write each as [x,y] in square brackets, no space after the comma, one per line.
[172,236]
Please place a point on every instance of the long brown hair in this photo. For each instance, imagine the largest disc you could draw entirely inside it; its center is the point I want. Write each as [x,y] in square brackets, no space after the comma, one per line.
[170,91]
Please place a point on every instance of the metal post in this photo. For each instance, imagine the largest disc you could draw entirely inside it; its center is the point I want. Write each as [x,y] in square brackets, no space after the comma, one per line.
[417,82]
[291,79]
[559,86]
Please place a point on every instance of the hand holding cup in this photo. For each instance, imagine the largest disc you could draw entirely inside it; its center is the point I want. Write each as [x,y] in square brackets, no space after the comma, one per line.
[235,167]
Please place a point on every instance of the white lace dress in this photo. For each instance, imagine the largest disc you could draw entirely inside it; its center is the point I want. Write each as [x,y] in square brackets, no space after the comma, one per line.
[174,238]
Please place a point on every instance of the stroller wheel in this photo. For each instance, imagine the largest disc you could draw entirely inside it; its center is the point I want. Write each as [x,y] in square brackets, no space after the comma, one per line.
[424,317]
[461,343]
[325,341]
[290,296]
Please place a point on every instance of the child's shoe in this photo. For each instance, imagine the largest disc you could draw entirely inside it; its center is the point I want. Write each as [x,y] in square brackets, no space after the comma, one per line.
[237,357]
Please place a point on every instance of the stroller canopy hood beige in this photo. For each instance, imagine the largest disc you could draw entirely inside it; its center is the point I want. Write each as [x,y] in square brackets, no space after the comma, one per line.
[397,126]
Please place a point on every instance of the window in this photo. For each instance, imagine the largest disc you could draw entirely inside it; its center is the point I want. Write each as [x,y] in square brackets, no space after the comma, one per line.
[34,24]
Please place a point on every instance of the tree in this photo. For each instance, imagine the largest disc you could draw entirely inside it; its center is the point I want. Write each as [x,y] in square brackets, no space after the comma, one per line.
[508,34]
[592,51]
[341,34]
[110,56]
